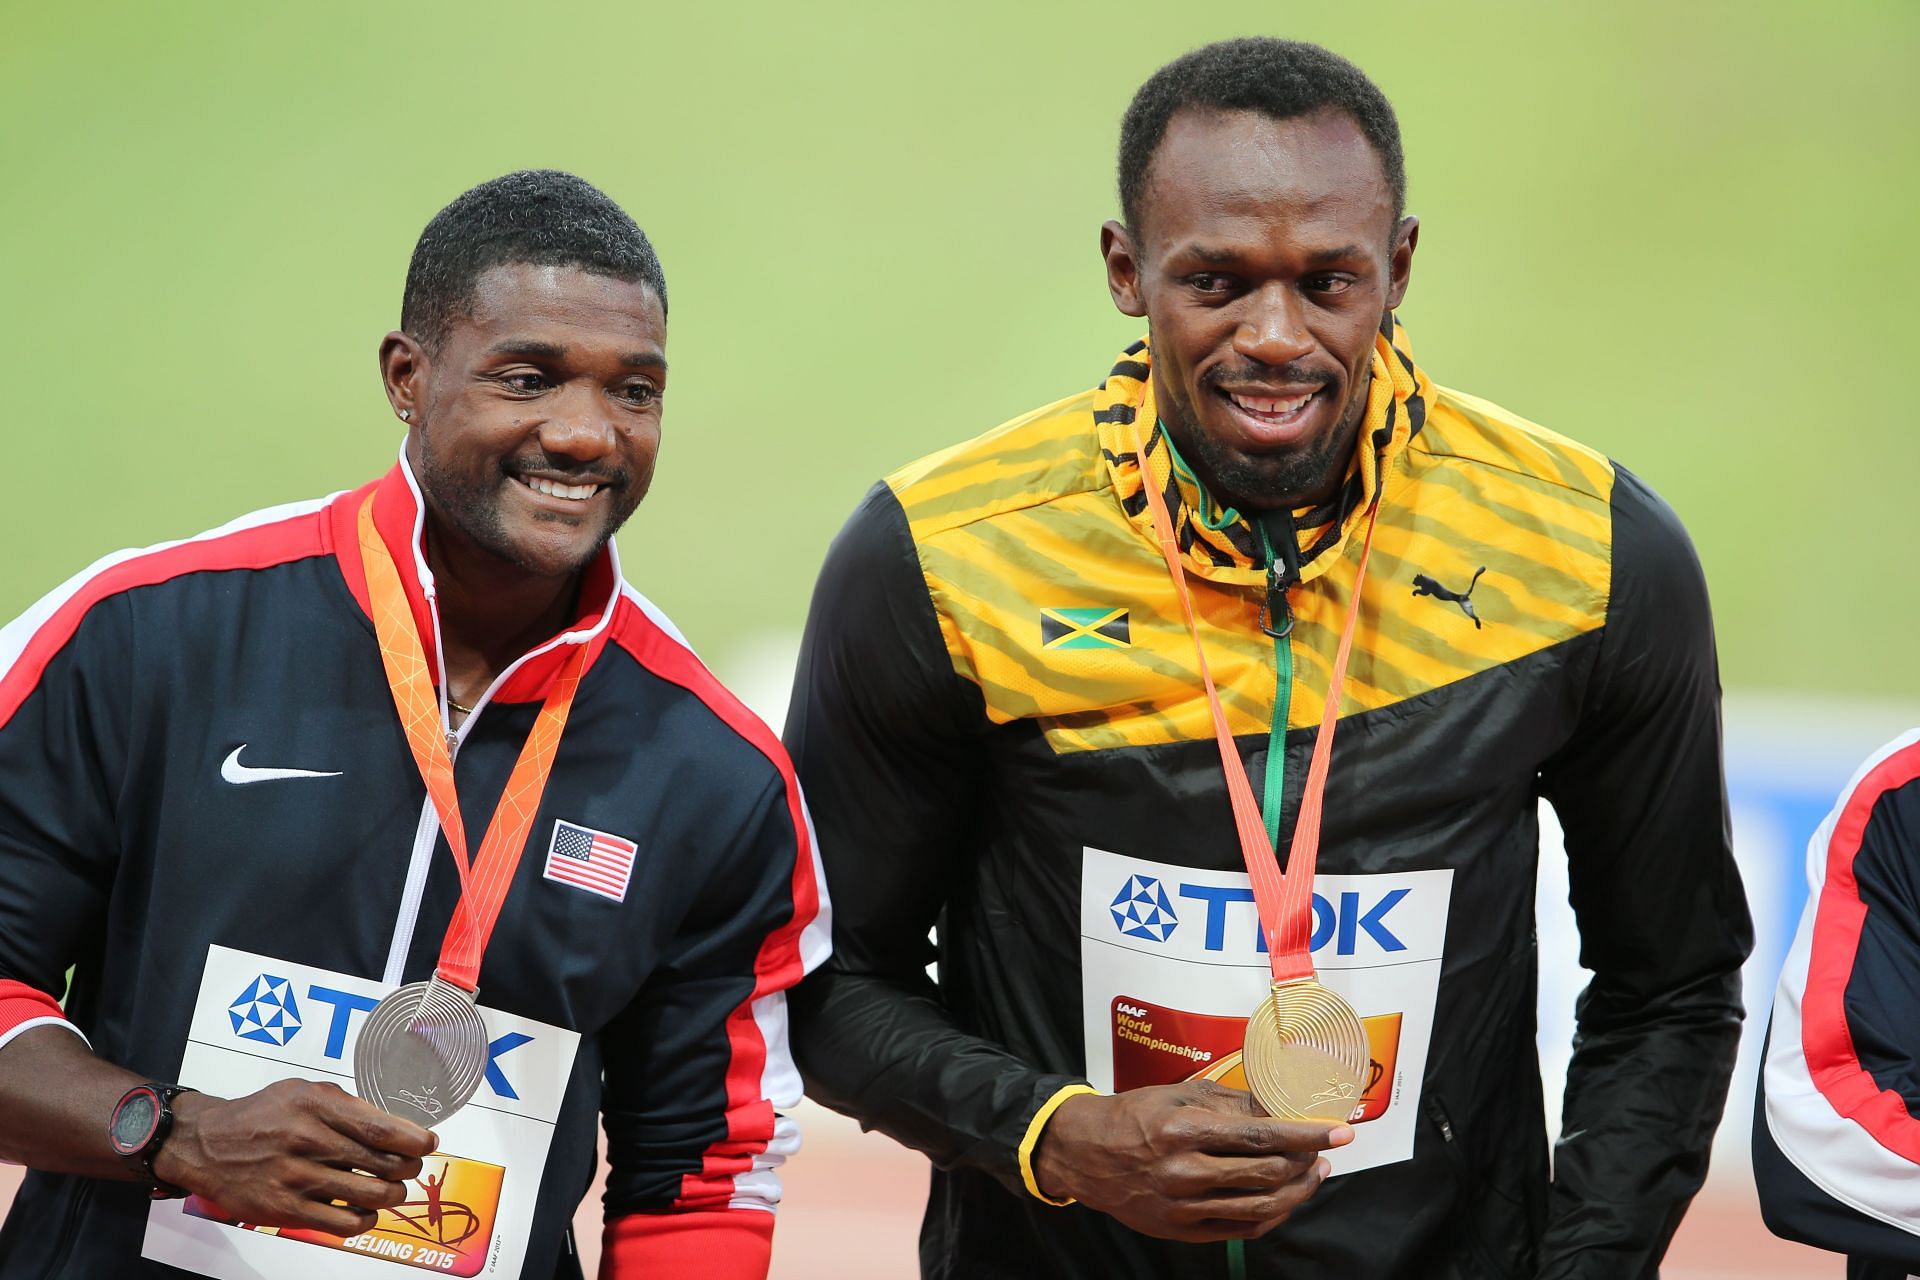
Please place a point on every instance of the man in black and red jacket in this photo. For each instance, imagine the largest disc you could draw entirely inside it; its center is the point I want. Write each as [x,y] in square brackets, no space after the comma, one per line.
[1836,1125]
[210,813]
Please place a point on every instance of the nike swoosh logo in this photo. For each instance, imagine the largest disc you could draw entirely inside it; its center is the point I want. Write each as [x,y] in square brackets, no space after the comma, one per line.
[239,774]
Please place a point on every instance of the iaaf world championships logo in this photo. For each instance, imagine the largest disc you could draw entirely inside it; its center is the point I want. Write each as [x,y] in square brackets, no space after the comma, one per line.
[446,1226]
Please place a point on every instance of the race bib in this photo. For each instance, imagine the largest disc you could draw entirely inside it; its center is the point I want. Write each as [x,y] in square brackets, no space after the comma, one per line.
[1172,962]
[258,1020]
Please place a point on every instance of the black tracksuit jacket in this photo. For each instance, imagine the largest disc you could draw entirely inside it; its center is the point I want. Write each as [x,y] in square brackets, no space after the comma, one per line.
[125,853]
[997,699]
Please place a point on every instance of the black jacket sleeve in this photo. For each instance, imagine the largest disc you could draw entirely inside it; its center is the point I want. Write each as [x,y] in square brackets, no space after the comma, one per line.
[64,728]
[1836,1125]
[1641,794]
[887,739]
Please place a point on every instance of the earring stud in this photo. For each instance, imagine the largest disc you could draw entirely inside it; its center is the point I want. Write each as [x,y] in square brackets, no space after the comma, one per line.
[406,415]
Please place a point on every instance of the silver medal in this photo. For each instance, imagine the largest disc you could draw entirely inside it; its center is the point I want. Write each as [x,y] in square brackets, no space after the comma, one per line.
[422,1052]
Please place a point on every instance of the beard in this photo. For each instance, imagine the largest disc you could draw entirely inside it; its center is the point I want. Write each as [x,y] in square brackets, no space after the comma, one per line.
[1268,481]
[470,503]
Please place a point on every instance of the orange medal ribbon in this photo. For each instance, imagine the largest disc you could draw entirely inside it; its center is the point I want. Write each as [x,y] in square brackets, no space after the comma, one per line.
[483,880]
[1284,900]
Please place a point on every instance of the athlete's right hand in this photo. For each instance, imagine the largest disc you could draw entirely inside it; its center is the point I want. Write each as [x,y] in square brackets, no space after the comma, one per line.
[281,1156]
[1194,1161]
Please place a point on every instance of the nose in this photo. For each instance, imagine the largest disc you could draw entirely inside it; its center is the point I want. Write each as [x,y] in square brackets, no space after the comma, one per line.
[1273,329]
[581,426]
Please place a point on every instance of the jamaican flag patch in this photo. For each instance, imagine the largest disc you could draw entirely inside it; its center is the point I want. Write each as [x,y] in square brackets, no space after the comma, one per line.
[1096,628]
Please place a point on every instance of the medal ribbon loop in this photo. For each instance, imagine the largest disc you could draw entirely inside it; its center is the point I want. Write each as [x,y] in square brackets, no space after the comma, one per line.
[484,880]
[1284,900]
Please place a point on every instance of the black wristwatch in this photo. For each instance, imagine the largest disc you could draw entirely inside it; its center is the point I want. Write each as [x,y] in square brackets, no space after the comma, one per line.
[141,1122]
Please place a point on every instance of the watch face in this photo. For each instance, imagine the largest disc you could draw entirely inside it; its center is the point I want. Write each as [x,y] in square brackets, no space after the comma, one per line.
[134,1121]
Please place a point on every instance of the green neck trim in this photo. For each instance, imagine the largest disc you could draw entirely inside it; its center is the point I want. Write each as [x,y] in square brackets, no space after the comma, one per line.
[1211,515]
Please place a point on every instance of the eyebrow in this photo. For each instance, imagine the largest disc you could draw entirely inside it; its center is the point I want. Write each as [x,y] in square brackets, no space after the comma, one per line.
[527,347]
[1225,257]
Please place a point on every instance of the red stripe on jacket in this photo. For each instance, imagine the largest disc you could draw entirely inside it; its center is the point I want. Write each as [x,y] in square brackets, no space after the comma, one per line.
[1825,1038]
[750,1117]
[714,1245]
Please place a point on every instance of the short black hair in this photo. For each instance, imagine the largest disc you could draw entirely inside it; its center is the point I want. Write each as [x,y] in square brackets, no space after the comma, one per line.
[1280,79]
[538,216]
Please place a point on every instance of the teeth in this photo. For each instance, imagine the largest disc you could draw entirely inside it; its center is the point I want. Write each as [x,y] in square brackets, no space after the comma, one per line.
[1271,406]
[575,492]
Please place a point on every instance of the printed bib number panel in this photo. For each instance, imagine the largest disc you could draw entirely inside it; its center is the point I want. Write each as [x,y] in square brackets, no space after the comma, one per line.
[259,1020]
[1172,961]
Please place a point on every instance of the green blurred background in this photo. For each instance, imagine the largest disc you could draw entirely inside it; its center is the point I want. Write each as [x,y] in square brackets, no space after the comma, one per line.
[1679,232]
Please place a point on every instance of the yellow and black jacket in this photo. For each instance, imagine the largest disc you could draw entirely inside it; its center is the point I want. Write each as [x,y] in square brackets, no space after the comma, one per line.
[1001,729]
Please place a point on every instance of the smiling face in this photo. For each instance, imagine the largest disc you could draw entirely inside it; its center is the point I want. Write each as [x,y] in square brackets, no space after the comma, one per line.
[1266,259]
[535,425]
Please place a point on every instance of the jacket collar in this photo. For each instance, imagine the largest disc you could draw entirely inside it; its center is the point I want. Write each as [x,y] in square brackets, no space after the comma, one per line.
[1222,545]
[399,516]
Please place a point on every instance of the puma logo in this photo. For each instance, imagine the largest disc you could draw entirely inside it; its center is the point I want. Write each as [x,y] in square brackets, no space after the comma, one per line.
[1425,586]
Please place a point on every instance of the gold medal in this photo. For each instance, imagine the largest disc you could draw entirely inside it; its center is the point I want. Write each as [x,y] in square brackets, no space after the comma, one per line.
[1306,1053]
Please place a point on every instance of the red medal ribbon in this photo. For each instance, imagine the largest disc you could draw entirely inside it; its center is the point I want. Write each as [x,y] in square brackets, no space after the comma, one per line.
[1284,900]
[483,880]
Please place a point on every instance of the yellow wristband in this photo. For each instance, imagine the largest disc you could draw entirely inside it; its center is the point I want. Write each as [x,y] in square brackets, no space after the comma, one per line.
[1032,1140]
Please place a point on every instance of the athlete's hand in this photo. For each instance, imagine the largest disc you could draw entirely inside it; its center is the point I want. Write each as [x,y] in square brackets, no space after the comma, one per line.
[281,1156]
[1194,1161]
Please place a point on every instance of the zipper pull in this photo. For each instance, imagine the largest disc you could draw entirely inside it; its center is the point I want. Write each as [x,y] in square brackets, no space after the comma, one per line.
[1276,606]
[1283,571]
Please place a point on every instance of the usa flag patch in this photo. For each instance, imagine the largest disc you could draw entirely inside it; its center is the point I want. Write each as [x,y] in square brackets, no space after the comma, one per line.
[591,860]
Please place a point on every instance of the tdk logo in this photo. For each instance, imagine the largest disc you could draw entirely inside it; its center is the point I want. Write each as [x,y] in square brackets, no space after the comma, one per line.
[267,1013]
[1142,910]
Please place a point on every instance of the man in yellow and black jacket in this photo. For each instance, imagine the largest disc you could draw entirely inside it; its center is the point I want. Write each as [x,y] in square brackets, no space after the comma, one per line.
[1000,723]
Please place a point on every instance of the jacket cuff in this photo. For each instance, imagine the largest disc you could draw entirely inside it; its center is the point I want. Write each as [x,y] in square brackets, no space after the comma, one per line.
[721,1244]
[23,1006]
[1032,1139]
